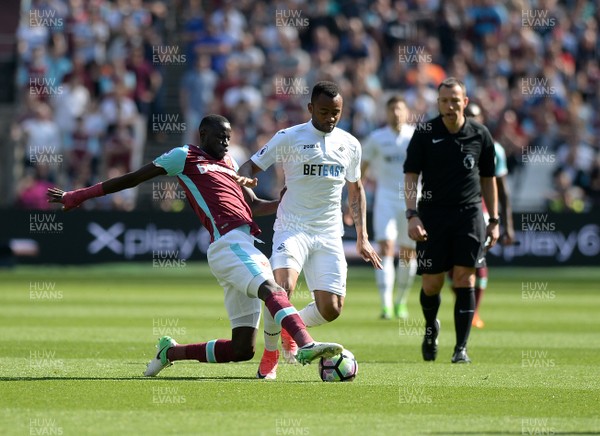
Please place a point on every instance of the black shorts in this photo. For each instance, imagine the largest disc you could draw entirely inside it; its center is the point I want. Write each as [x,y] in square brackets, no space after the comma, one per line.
[455,236]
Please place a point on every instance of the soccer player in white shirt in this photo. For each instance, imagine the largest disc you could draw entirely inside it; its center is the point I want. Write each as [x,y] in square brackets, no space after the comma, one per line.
[318,159]
[384,152]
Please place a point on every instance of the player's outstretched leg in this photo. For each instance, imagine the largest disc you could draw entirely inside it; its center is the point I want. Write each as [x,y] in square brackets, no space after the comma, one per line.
[161,361]
[239,348]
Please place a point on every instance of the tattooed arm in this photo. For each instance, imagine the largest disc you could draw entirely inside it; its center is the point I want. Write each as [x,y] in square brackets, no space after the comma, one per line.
[358,208]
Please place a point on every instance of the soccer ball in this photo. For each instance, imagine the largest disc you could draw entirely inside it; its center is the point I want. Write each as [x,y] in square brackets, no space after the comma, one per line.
[341,367]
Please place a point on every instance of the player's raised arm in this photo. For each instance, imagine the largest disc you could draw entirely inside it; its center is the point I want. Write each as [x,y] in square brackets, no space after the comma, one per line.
[72,199]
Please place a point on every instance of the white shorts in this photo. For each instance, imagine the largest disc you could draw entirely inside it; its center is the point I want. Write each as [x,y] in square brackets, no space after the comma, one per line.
[240,268]
[390,223]
[321,257]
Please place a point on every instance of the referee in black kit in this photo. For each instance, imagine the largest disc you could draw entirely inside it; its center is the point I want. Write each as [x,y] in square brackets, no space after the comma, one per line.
[455,157]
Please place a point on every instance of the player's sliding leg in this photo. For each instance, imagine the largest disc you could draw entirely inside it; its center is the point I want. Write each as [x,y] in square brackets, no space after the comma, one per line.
[161,361]
[407,269]
[240,348]
[481,278]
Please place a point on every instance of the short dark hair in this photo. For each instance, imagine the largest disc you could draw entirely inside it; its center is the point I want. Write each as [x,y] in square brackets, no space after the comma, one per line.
[212,120]
[330,89]
[395,99]
[451,82]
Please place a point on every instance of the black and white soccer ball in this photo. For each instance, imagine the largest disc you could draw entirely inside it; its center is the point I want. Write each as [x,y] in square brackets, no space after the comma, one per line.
[341,367]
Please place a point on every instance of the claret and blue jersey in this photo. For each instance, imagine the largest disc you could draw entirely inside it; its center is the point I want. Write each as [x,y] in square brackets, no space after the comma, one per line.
[210,189]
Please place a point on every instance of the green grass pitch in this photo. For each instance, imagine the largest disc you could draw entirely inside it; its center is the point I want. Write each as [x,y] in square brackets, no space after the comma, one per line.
[75,340]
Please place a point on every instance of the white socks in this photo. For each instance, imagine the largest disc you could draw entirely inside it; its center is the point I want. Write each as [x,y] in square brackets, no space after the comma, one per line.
[385,280]
[406,276]
[311,316]
[271,330]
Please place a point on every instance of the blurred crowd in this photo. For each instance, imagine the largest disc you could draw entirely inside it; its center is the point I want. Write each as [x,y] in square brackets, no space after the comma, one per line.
[87,89]
[531,65]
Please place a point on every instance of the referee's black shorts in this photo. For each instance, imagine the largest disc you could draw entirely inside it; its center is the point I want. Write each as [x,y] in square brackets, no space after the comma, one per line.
[455,236]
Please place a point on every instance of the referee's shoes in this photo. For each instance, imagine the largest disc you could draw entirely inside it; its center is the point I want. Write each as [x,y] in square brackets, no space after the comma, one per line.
[460,356]
[430,342]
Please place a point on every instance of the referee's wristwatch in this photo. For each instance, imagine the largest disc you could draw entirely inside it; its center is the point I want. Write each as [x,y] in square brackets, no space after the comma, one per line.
[494,220]
[411,213]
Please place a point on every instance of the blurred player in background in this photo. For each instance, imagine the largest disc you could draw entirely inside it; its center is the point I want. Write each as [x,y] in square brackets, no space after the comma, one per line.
[318,161]
[508,233]
[384,152]
[455,156]
[208,176]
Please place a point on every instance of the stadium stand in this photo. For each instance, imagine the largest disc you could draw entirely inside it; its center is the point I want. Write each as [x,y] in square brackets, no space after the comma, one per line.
[103,73]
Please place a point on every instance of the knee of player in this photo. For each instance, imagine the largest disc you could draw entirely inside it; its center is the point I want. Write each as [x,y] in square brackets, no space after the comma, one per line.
[331,311]
[269,287]
[287,285]
[244,353]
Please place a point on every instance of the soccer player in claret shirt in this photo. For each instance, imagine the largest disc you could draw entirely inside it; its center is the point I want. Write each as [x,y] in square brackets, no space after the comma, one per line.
[384,152]
[455,157]
[318,160]
[213,188]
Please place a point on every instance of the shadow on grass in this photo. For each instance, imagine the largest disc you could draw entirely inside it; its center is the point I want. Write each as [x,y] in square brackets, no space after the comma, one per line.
[142,378]
[46,378]
[514,432]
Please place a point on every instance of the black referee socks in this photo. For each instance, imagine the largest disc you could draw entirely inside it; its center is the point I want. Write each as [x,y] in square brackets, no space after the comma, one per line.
[464,309]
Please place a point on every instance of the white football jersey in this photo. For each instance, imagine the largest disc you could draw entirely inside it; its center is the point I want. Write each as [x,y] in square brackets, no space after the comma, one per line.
[385,151]
[316,166]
